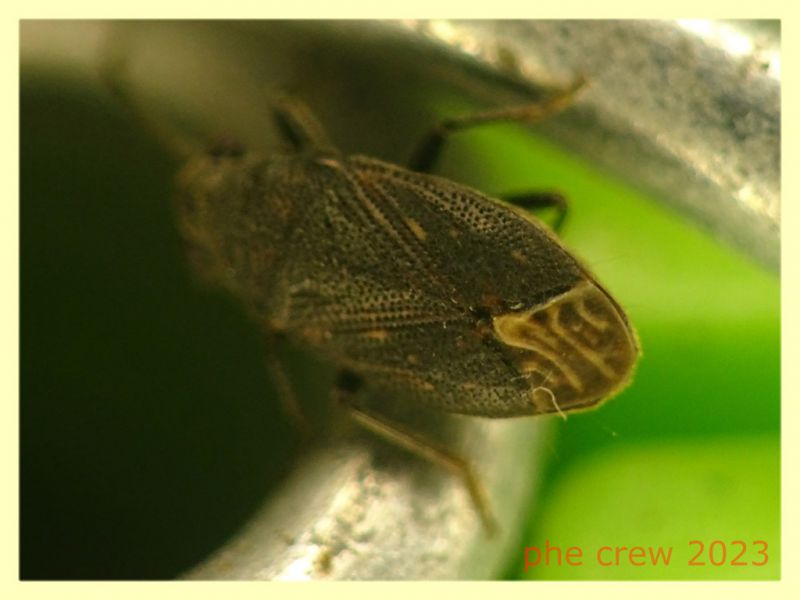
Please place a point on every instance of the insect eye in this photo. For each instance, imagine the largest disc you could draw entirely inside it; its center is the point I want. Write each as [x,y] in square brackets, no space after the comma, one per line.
[226,146]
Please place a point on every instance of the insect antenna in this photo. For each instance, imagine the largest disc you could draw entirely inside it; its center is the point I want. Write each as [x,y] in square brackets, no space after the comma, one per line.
[113,70]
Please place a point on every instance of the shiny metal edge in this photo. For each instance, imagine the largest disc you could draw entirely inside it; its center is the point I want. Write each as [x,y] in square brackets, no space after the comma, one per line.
[690,111]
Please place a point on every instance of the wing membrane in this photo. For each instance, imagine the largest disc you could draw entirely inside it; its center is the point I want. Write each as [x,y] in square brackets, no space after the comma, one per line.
[396,273]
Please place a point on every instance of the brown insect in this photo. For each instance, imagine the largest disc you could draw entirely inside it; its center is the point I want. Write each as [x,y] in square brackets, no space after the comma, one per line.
[410,284]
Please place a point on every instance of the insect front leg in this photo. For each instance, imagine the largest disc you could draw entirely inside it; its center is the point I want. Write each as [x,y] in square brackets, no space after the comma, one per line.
[347,386]
[429,149]
[298,125]
[113,70]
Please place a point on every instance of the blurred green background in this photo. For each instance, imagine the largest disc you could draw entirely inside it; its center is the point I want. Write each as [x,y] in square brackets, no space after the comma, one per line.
[691,450]
[126,448]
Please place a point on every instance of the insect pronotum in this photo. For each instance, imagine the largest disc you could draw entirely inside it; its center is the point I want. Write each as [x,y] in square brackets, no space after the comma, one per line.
[408,283]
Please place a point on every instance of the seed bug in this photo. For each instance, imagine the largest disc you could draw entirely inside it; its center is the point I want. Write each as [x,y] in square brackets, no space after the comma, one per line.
[408,283]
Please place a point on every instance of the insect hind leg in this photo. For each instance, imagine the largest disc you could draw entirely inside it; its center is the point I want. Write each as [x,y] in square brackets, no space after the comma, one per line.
[348,385]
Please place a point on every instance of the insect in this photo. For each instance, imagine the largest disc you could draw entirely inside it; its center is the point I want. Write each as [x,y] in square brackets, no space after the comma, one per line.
[410,284]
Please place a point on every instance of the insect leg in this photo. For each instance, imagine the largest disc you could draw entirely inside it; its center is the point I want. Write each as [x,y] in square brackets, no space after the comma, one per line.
[298,125]
[378,424]
[286,395]
[430,147]
[113,71]
[539,200]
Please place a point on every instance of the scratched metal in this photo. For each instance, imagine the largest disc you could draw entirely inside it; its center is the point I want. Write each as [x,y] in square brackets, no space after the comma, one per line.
[689,111]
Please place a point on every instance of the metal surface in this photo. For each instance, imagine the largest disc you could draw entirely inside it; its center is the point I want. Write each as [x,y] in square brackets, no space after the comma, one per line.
[689,111]
[347,515]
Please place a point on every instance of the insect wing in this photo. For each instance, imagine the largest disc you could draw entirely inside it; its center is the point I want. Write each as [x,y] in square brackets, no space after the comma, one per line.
[401,277]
